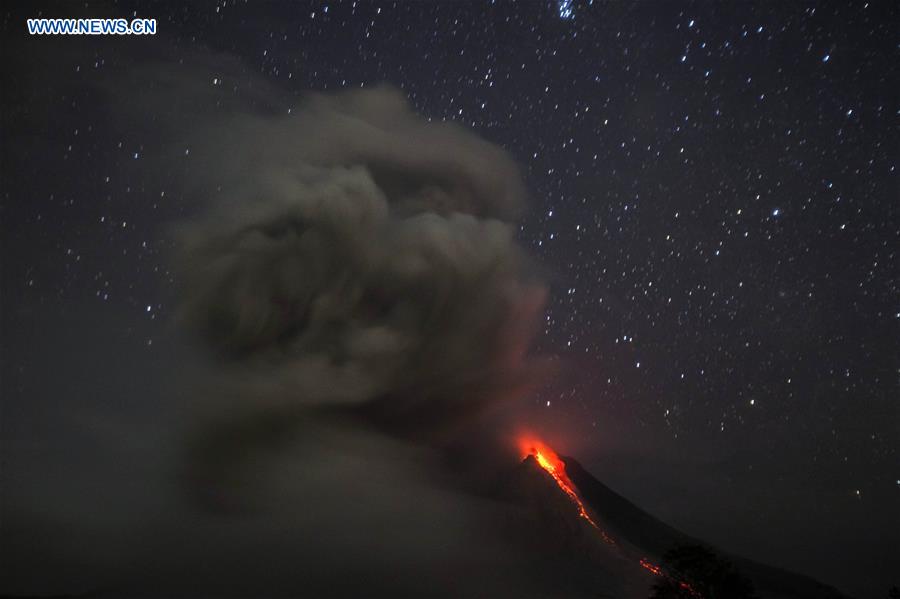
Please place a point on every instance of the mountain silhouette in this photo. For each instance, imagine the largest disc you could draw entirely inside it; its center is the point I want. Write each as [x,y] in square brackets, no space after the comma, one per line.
[619,549]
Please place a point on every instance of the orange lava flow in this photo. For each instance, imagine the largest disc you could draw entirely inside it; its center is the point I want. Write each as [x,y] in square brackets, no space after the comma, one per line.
[555,467]
[657,571]
[648,565]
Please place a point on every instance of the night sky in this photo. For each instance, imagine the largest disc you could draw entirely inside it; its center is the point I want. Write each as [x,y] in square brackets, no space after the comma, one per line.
[712,200]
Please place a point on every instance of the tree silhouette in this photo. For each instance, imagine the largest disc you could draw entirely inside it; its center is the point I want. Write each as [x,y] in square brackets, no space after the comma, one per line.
[694,572]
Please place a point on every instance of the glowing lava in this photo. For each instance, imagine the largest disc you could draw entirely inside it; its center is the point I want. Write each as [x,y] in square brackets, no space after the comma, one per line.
[657,571]
[555,467]
[651,567]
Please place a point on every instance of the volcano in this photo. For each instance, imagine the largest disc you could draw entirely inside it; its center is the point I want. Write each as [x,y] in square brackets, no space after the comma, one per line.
[358,517]
[613,548]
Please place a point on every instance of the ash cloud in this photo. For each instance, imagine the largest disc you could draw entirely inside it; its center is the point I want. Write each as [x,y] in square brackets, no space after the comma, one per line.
[360,256]
[354,272]
[364,316]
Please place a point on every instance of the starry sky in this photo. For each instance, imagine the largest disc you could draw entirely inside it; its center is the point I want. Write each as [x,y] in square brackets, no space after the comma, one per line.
[713,201]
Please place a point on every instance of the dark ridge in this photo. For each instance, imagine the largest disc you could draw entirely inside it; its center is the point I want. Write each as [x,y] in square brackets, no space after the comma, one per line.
[632,524]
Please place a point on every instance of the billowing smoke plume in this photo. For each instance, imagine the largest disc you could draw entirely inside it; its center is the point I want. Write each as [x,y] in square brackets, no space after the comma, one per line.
[355,273]
[352,273]
[361,256]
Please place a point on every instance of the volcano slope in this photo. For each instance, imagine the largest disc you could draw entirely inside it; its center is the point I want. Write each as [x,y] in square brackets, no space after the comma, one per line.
[616,549]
